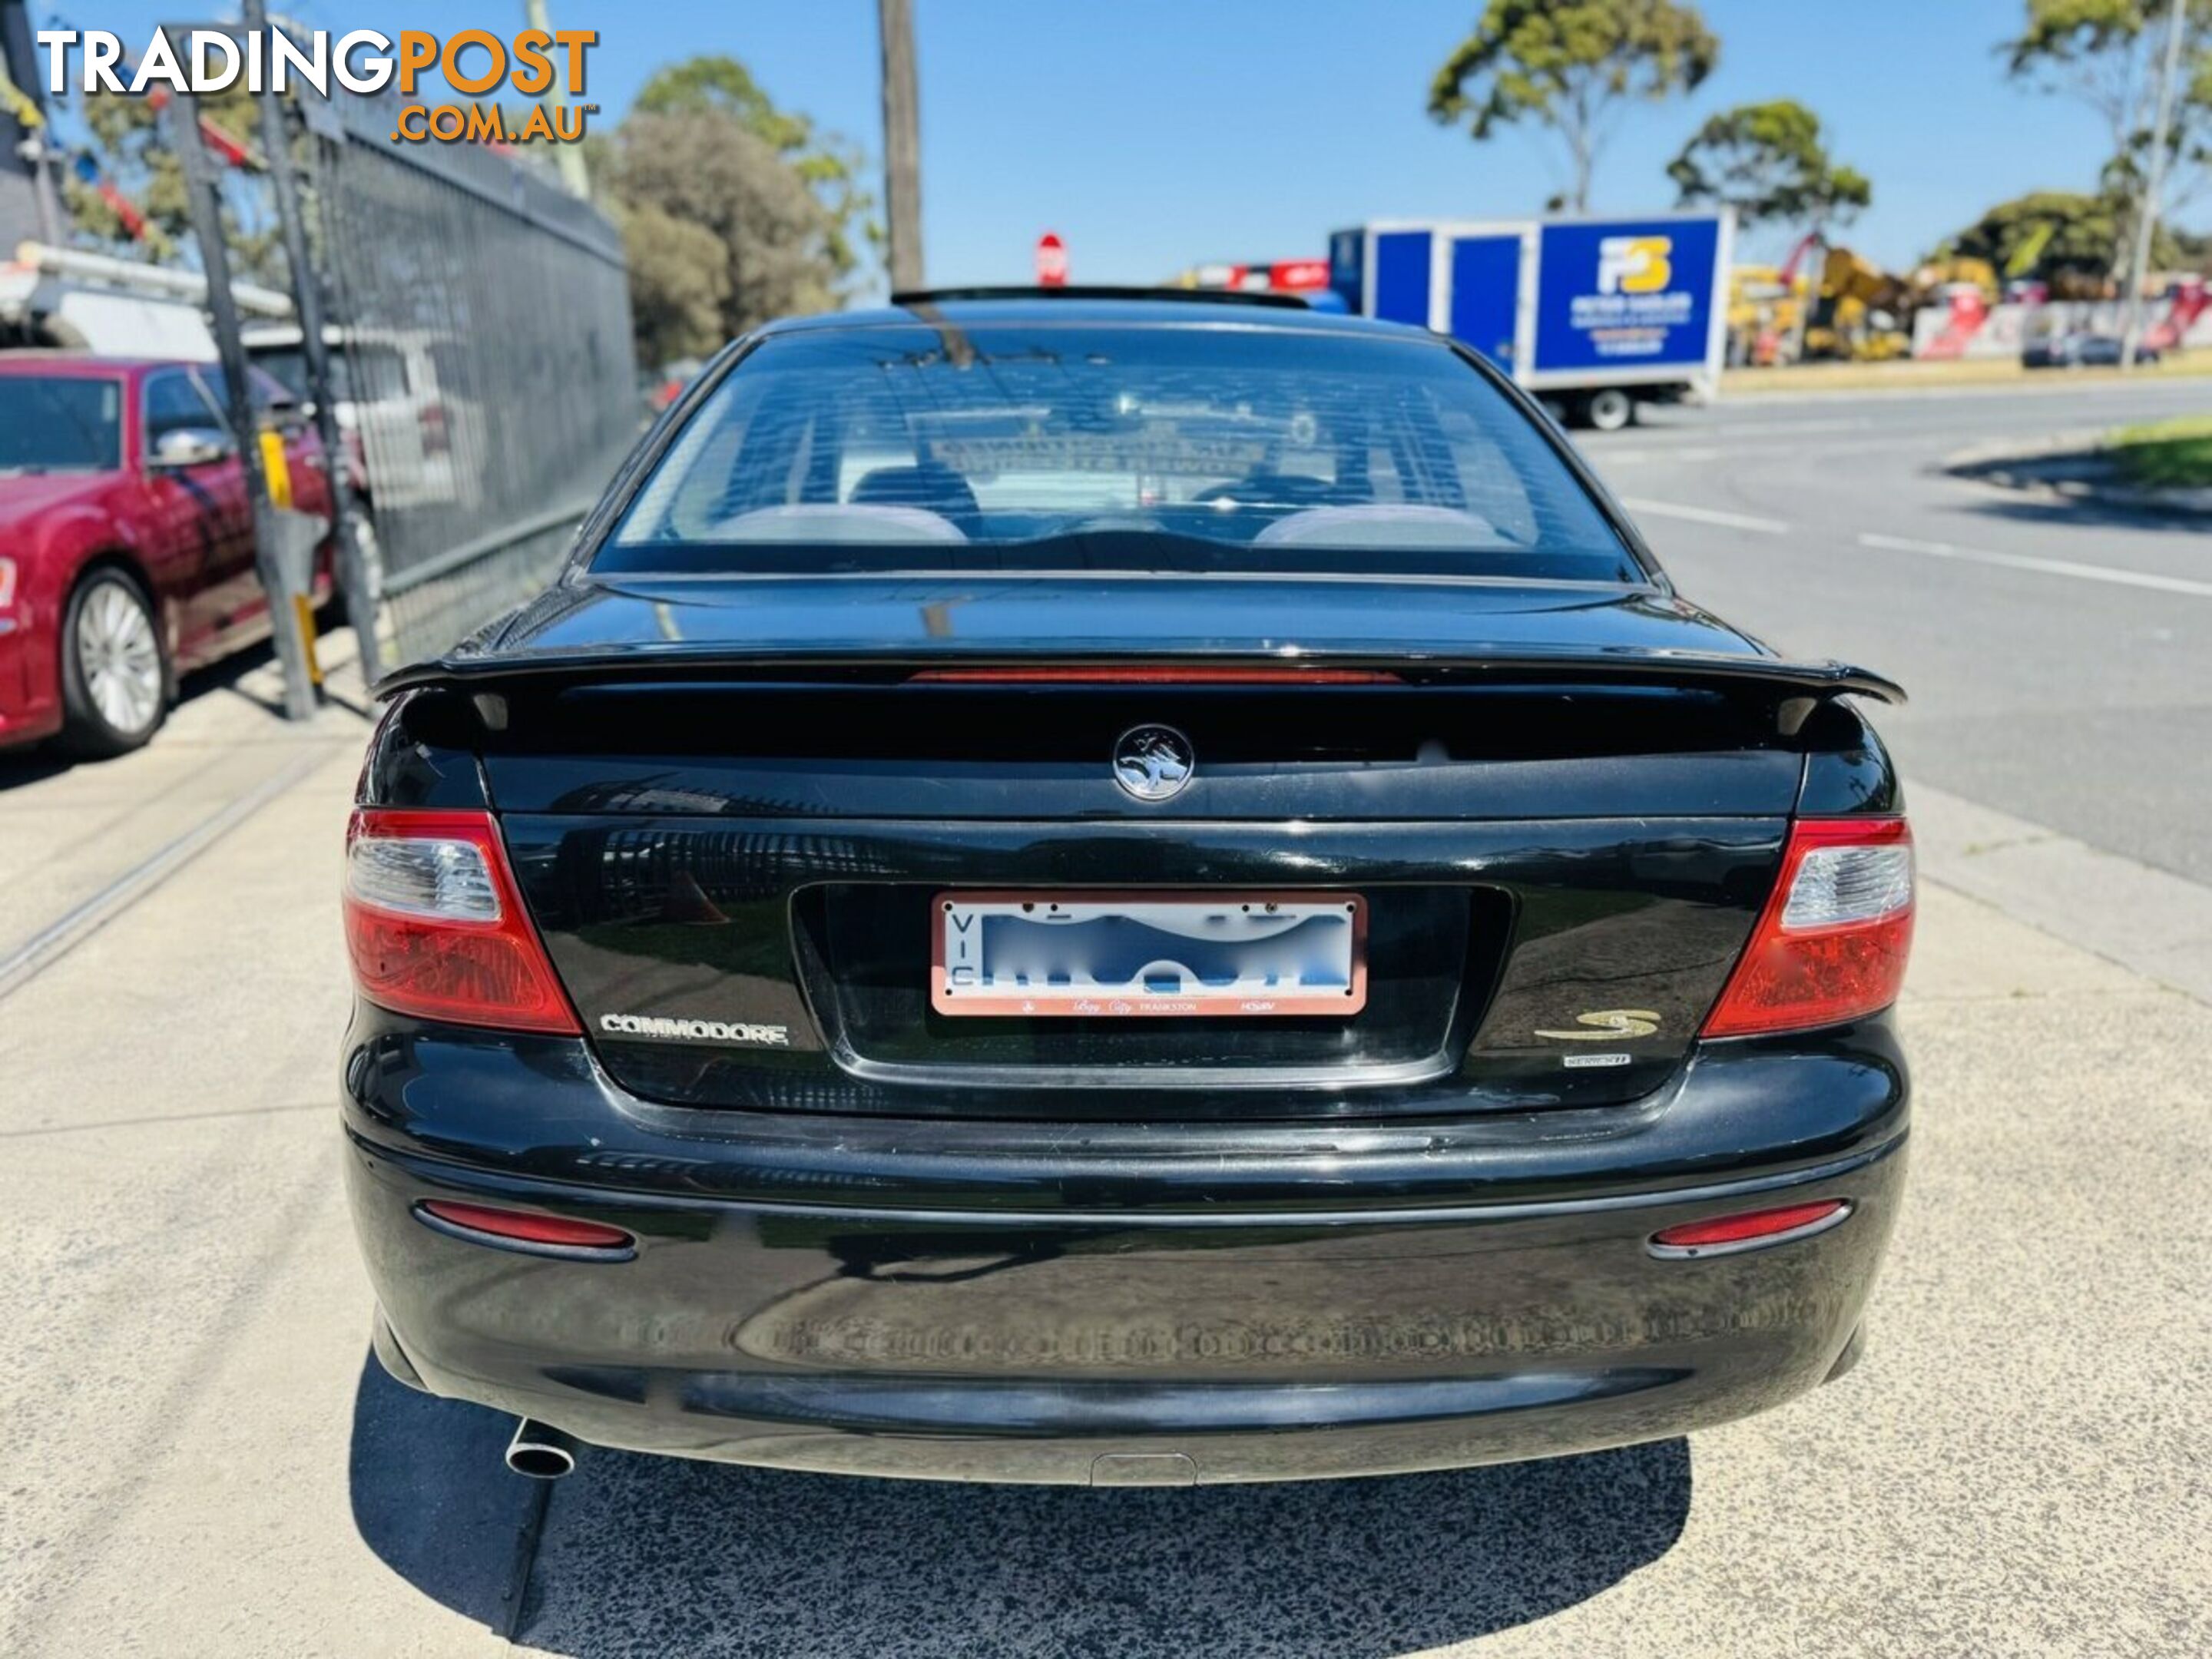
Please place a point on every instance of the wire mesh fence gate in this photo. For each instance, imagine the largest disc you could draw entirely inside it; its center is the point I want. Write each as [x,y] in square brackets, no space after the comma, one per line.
[475,364]
[481,317]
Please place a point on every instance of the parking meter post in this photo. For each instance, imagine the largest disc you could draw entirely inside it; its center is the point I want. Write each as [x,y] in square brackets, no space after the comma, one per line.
[348,522]
[203,199]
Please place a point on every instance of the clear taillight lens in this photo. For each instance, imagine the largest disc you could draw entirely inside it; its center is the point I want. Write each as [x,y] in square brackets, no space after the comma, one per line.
[435,926]
[1836,885]
[422,876]
[1832,944]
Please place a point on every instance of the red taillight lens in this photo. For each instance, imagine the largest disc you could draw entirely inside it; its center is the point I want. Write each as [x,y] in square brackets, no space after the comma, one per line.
[436,927]
[1832,944]
[1751,1227]
[525,1228]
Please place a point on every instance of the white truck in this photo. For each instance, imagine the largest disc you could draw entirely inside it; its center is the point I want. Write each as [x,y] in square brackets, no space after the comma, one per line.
[1594,316]
[60,298]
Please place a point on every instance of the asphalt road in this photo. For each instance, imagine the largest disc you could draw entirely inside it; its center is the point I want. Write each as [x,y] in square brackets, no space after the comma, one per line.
[2059,658]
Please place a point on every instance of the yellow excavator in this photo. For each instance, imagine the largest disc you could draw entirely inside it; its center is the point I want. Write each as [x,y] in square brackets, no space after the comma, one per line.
[1765,312]
[1863,314]
[1852,310]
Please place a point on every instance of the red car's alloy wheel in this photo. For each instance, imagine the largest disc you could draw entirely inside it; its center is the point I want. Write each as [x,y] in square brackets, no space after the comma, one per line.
[115,680]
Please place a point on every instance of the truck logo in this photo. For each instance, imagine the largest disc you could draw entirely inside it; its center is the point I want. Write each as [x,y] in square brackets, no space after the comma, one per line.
[1635,264]
[1606,1024]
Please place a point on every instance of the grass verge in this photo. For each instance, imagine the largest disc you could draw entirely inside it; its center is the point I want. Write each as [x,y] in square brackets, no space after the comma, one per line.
[2174,454]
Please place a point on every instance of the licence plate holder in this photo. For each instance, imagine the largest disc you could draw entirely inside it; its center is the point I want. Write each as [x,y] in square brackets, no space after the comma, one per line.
[1137,954]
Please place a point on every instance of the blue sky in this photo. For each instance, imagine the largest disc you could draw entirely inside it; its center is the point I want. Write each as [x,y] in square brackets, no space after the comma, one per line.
[1154,134]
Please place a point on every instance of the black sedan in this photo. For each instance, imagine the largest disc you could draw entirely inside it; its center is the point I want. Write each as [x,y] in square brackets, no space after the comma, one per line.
[1125,891]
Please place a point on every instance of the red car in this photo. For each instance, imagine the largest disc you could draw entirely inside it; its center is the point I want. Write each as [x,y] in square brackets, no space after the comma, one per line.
[126,544]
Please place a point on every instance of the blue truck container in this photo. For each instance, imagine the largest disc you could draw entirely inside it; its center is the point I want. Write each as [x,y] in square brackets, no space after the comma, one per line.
[1594,316]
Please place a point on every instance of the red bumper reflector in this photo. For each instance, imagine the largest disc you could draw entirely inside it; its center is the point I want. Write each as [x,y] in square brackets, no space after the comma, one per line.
[1141,674]
[1752,1226]
[529,1229]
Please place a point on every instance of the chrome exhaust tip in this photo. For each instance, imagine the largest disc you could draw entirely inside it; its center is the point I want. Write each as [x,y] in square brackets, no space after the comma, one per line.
[540,1451]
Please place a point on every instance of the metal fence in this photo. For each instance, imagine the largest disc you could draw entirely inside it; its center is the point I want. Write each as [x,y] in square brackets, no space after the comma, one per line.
[486,363]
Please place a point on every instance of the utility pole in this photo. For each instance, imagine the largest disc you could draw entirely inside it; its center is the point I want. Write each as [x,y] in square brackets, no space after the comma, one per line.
[569,157]
[901,145]
[2147,210]
[204,196]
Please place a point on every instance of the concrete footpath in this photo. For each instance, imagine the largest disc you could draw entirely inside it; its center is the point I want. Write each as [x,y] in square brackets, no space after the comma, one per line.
[203,1461]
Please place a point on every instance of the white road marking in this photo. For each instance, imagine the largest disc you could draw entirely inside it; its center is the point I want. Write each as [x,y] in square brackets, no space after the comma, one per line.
[1671,439]
[2088,573]
[1830,448]
[2092,573]
[1787,428]
[1649,457]
[1705,515]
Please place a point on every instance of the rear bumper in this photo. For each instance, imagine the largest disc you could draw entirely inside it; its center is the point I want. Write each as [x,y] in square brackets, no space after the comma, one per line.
[1337,1320]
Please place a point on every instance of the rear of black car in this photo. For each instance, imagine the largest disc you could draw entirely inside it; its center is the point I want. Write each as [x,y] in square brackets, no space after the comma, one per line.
[674,1124]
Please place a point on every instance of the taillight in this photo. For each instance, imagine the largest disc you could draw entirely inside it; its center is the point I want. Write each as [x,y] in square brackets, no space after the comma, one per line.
[1831,943]
[435,924]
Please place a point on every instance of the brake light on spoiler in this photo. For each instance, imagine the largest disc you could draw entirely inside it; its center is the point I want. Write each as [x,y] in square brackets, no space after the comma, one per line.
[1144,674]
[1831,944]
[435,927]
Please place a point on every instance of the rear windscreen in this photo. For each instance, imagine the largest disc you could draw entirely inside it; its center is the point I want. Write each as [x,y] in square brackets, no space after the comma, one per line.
[1129,446]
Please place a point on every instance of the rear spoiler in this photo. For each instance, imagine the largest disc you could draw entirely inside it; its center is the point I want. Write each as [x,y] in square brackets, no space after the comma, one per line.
[1796,687]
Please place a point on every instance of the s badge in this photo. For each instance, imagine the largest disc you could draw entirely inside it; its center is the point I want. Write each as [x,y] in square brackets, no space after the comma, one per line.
[1607,1023]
